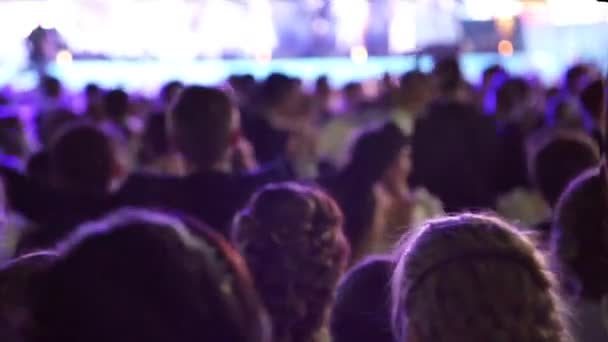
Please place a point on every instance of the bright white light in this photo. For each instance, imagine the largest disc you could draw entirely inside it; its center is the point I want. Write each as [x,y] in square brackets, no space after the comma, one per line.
[579,12]
[64,57]
[358,54]
[483,10]
[402,30]
[351,19]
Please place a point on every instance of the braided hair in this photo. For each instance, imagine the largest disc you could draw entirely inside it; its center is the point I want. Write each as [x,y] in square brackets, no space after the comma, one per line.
[474,278]
[291,237]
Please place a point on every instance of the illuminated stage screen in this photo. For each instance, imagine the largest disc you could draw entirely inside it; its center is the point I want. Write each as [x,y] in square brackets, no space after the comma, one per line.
[237,28]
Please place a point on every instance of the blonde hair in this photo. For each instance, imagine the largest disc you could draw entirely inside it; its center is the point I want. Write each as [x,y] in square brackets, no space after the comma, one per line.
[474,278]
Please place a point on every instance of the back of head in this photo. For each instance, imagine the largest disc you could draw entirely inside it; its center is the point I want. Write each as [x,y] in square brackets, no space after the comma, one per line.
[560,160]
[82,160]
[170,91]
[298,231]
[50,86]
[512,94]
[201,124]
[276,89]
[145,276]
[372,154]
[116,103]
[16,280]
[580,235]
[473,278]
[491,73]
[415,86]
[362,310]
[576,78]
[449,75]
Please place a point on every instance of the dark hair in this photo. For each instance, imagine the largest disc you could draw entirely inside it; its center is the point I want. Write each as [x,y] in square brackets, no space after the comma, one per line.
[276,88]
[92,89]
[492,71]
[574,75]
[170,90]
[448,73]
[82,160]
[580,235]
[511,92]
[410,78]
[371,155]
[154,142]
[51,87]
[52,123]
[146,276]
[297,230]
[362,310]
[116,103]
[560,160]
[200,123]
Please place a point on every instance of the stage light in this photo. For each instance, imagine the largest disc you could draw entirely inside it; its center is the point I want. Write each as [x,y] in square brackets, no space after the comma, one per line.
[263,57]
[358,54]
[64,57]
[505,48]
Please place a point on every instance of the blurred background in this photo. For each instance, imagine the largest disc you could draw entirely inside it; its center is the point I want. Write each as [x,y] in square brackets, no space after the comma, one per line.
[136,44]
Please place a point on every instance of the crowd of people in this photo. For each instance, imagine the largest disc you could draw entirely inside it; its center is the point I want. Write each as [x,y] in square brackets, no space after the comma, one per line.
[426,208]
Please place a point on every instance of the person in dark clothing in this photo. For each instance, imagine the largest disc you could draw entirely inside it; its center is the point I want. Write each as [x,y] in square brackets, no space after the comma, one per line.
[82,166]
[269,131]
[454,152]
[556,163]
[362,309]
[516,118]
[204,130]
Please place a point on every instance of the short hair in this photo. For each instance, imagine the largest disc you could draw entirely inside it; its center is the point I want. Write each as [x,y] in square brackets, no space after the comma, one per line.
[139,275]
[559,160]
[200,124]
[275,89]
[579,243]
[92,89]
[362,309]
[574,75]
[50,86]
[511,92]
[449,74]
[491,72]
[82,159]
[297,230]
[17,279]
[474,278]
[170,91]
[116,103]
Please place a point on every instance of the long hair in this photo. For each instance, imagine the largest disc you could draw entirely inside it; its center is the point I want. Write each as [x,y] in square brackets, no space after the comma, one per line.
[291,238]
[371,156]
[474,278]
